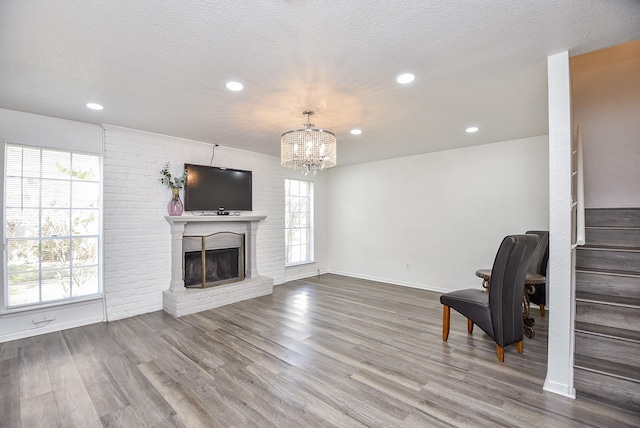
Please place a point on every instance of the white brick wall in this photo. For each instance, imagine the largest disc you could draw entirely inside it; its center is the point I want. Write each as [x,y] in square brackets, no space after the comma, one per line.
[137,239]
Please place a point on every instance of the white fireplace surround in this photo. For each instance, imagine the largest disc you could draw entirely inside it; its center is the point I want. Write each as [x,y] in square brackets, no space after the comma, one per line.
[178,300]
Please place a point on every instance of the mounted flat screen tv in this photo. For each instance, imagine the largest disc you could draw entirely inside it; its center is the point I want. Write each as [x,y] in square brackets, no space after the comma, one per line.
[209,188]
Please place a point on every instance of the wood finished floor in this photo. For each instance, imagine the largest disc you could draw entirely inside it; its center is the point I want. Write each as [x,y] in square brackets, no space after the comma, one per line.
[327,351]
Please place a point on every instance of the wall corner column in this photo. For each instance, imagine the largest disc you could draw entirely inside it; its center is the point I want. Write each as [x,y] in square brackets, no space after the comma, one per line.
[561,292]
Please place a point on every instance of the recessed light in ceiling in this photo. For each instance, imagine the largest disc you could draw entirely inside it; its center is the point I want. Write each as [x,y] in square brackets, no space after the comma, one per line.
[356,131]
[472,129]
[94,106]
[405,78]
[234,86]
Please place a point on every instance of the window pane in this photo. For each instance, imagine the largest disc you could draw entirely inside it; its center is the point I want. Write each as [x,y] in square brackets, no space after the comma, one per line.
[23,161]
[23,288]
[295,236]
[295,254]
[85,222]
[55,284]
[56,193]
[294,204]
[56,164]
[288,219]
[55,253]
[85,167]
[304,205]
[295,220]
[85,194]
[14,161]
[22,223]
[85,281]
[55,223]
[85,251]
[23,255]
[295,188]
[304,189]
[22,192]
[288,233]
[303,220]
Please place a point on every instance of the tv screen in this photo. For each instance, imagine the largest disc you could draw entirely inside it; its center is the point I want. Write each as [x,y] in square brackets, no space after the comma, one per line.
[209,188]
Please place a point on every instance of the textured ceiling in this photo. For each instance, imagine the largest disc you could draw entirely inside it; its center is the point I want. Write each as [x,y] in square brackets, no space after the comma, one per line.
[161,66]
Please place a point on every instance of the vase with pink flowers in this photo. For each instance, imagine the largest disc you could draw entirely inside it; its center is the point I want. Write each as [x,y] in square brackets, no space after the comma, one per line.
[174,207]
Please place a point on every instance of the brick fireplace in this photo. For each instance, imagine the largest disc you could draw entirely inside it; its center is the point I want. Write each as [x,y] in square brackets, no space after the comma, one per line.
[179,300]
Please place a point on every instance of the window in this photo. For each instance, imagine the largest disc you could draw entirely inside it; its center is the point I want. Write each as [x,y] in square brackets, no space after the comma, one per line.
[298,225]
[52,225]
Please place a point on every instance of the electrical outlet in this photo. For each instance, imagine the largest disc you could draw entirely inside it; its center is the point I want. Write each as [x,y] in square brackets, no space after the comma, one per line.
[43,318]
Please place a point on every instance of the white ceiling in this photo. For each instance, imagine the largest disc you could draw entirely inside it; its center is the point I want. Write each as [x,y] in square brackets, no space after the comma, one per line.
[161,66]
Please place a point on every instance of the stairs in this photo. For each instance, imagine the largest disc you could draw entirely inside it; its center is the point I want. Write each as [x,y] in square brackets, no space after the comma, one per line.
[607,327]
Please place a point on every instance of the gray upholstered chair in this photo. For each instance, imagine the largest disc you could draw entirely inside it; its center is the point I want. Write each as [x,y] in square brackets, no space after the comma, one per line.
[497,312]
[538,265]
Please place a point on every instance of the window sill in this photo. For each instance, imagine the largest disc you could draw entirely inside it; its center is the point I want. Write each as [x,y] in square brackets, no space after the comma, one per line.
[292,265]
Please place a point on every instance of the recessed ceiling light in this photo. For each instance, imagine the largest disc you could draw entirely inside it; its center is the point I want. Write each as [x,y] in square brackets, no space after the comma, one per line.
[234,86]
[356,131]
[405,78]
[472,129]
[94,106]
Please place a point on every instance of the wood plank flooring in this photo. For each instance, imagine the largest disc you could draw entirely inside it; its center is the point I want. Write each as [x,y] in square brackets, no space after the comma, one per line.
[326,351]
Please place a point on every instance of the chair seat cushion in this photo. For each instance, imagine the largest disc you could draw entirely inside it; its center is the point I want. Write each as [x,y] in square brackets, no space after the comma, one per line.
[473,304]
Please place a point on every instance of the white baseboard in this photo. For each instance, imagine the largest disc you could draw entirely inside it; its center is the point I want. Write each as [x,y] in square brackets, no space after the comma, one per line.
[392,281]
[559,388]
[304,275]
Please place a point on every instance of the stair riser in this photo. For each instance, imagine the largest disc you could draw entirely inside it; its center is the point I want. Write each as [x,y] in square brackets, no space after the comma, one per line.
[608,315]
[628,261]
[619,228]
[609,285]
[617,351]
[613,237]
[623,217]
[620,392]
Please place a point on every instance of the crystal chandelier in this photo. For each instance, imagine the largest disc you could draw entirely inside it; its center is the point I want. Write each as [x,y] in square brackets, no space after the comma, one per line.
[308,149]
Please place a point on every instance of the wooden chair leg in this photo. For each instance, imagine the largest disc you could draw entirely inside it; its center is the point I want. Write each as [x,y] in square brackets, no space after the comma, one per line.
[446,315]
[500,352]
[469,326]
[542,310]
[520,346]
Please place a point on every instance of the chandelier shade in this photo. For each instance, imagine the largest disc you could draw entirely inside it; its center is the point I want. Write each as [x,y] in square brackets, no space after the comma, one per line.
[308,149]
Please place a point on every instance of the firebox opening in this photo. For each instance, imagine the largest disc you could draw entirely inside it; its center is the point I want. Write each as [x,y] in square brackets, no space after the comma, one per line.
[208,267]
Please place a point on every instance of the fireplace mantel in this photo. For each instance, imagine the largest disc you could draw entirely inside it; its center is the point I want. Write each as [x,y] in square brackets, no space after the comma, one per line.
[184,219]
[180,301]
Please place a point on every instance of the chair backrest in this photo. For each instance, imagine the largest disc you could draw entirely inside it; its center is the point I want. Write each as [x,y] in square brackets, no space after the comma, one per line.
[540,256]
[506,287]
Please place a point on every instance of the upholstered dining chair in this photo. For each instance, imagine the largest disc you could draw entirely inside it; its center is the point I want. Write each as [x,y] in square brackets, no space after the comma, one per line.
[538,264]
[497,312]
